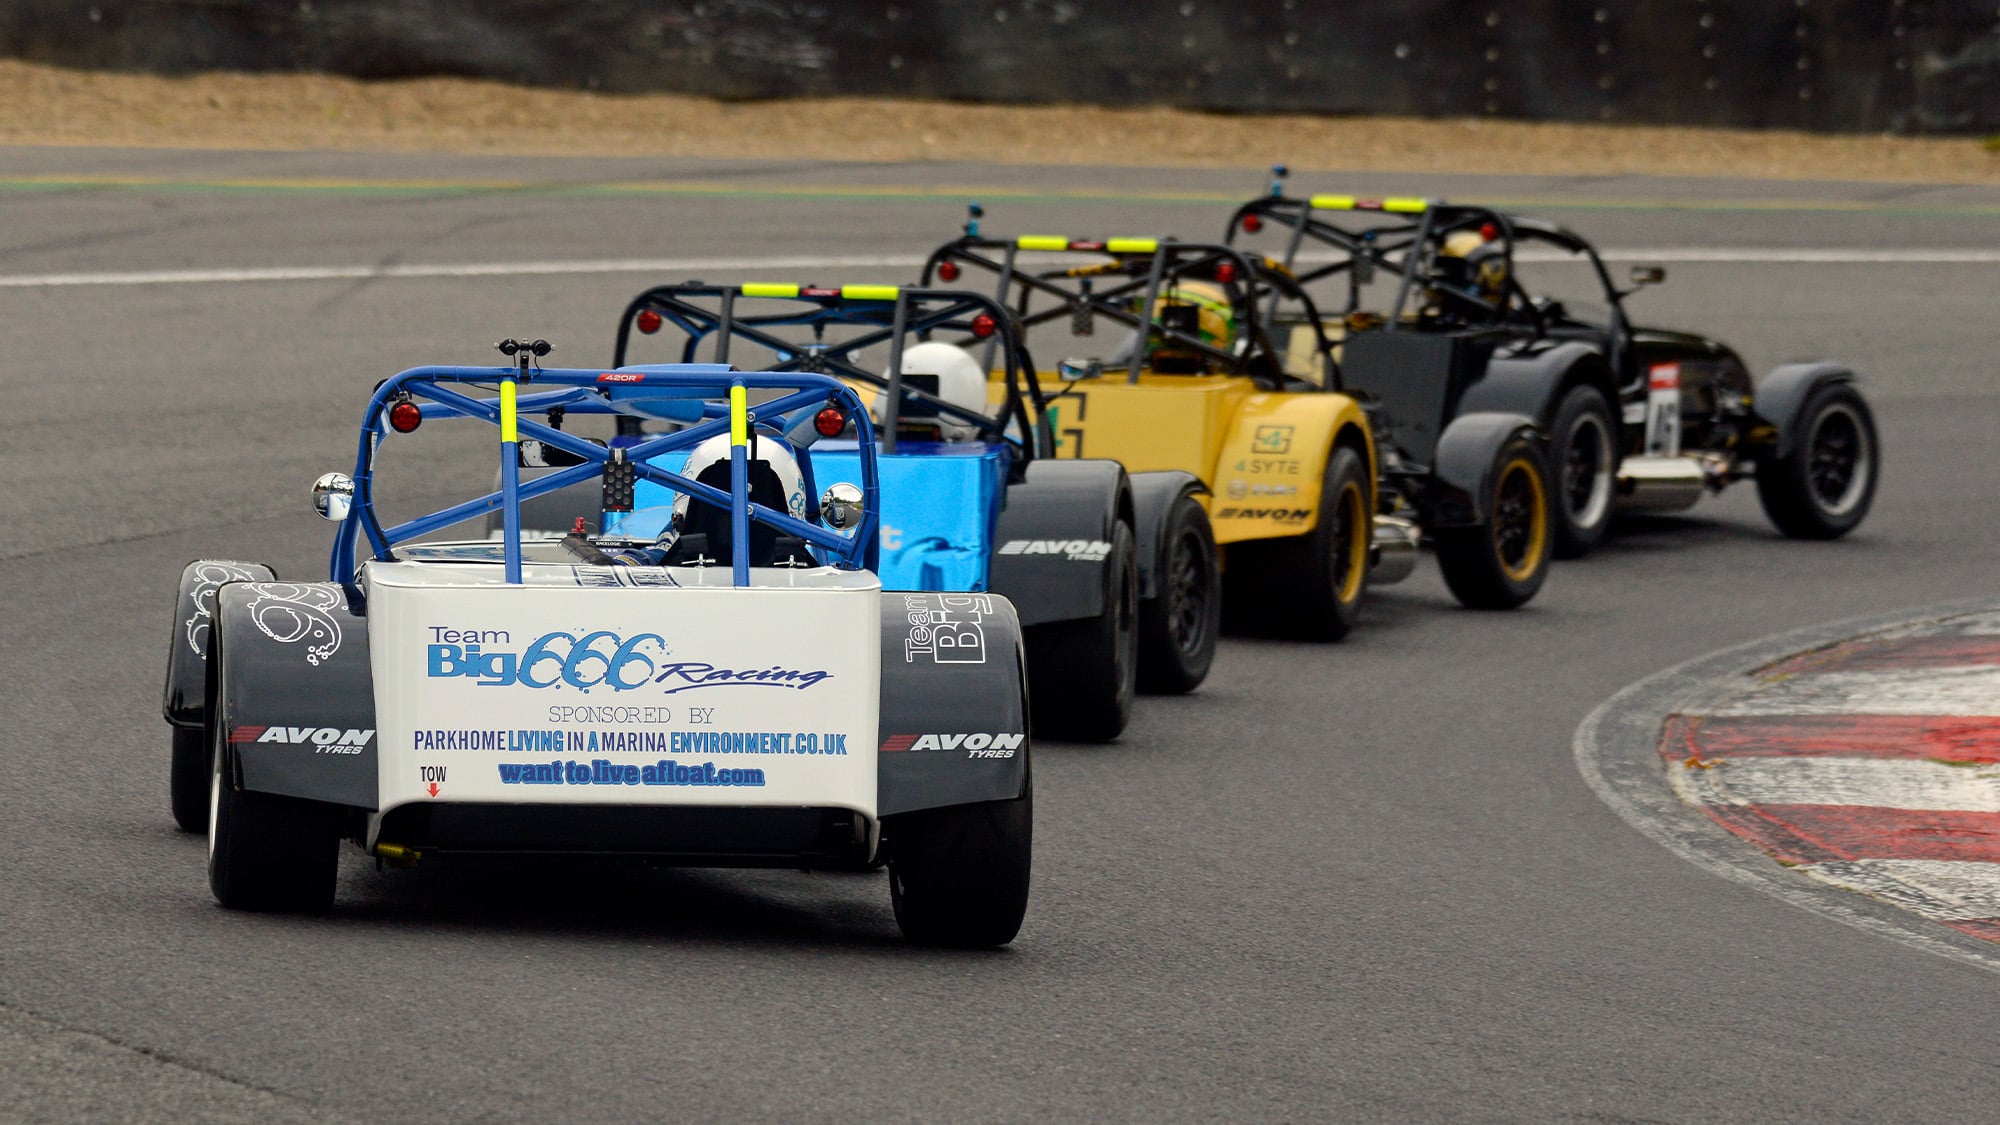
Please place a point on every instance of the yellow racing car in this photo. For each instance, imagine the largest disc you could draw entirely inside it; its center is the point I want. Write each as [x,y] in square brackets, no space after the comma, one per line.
[1190,379]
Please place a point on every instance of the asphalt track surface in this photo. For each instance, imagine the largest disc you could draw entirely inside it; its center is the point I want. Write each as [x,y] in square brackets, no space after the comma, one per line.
[1358,881]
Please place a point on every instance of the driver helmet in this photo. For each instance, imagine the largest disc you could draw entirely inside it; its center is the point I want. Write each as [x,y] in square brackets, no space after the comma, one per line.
[1201,309]
[961,381]
[1471,261]
[775,480]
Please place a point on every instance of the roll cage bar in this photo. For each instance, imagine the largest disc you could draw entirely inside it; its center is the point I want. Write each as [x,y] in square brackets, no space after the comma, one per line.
[1407,245]
[685,393]
[893,314]
[1149,266]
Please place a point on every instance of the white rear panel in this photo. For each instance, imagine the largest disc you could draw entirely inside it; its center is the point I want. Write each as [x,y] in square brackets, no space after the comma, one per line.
[570,690]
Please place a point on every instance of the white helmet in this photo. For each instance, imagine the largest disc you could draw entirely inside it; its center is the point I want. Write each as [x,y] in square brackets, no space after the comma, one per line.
[961,382]
[764,450]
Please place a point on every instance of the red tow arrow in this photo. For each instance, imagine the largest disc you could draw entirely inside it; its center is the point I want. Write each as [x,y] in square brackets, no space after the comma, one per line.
[434,788]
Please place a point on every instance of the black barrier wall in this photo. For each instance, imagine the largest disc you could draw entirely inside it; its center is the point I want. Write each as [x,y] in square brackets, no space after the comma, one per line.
[1845,65]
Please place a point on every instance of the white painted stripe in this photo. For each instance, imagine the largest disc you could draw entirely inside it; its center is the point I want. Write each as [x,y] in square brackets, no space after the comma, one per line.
[1969,690]
[1948,890]
[1864,782]
[671,266]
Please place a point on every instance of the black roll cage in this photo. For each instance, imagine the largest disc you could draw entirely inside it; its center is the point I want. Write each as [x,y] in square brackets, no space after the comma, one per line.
[895,313]
[1152,266]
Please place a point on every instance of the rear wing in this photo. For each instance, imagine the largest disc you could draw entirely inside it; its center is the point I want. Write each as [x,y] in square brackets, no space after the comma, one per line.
[759,314]
[1136,271]
[706,400]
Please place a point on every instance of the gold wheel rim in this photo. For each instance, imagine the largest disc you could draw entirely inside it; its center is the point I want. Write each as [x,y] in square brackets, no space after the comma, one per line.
[1538,521]
[1355,511]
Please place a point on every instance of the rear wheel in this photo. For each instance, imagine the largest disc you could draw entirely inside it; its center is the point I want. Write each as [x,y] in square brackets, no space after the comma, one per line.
[1822,488]
[958,875]
[1583,460]
[1177,626]
[266,852]
[1082,674]
[1309,586]
[187,781]
[1501,563]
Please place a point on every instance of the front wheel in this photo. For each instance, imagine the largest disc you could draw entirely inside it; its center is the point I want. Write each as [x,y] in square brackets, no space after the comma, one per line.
[1501,563]
[1583,458]
[1822,488]
[1082,674]
[958,875]
[1177,626]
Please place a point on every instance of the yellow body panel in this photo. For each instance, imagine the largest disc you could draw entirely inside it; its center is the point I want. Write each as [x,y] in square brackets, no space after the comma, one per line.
[1262,453]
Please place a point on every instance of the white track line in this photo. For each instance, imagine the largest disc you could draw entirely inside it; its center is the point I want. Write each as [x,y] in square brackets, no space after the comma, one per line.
[1861,782]
[674,266]
[1947,890]
[1970,690]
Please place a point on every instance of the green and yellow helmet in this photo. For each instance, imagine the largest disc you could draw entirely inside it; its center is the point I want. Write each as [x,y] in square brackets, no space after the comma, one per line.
[1200,309]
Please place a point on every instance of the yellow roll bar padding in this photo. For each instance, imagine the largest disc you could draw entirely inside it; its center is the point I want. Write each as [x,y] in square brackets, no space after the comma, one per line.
[869,292]
[1042,242]
[510,417]
[765,289]
[1406,206]
[1331,203]
[739,416]
[1402,205]
[1132,245]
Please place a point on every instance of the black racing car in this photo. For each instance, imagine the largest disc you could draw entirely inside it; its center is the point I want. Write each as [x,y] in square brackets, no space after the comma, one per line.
[1638,418]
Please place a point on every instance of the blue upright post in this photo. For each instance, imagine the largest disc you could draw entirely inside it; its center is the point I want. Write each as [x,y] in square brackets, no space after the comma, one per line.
[739,482]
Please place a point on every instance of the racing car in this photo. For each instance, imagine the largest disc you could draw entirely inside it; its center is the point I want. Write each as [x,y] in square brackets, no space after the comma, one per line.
[735,691]
[1639,419]
[1114,575]
[1193,381]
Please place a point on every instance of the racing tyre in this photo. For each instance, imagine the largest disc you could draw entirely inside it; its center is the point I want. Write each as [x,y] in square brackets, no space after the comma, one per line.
[1081,674]
[1501,564]
[958,875]
[187,782]
[1178,626]
[1583,459]
[267,852]
[1309,586]
[1822,488]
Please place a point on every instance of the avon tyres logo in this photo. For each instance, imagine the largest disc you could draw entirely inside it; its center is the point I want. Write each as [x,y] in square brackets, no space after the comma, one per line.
[334,740]
[1278,515]
[976,745]
[599,659]
[1076,550]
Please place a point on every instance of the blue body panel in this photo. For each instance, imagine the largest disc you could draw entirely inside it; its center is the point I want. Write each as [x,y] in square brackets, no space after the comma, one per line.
[940,507]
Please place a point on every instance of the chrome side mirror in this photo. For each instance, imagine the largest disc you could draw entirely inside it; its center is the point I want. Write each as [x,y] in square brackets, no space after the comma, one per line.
[840,506]
[1648,275]
[333,496]
[1077,370]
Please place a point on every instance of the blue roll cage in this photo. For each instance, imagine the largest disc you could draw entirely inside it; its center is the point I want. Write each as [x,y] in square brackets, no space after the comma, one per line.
[678,392]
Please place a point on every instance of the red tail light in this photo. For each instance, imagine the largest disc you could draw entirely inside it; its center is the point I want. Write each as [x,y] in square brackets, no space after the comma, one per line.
[405,416]
[1226,272]
[947,271]
[1252,224]
[830,422]
[1488,231]
[983,326]
[648,321]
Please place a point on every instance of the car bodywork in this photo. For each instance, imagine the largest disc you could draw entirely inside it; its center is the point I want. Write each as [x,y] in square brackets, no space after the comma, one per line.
[1688,417]
[972,498]
[591,694]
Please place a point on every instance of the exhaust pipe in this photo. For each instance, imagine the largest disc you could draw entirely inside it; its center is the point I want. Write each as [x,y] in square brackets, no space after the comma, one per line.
[1660,484]
[1394,554]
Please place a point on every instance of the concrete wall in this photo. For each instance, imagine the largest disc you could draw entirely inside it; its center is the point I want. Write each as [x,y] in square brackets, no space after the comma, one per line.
[1848,65]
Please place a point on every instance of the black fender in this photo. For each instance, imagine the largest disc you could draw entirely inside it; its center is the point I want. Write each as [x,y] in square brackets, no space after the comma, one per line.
[954,723]
[1534,384]
[1042,551]
[1153,497]
[1466,456]
[184,701]
[296,706]
[1783,393]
